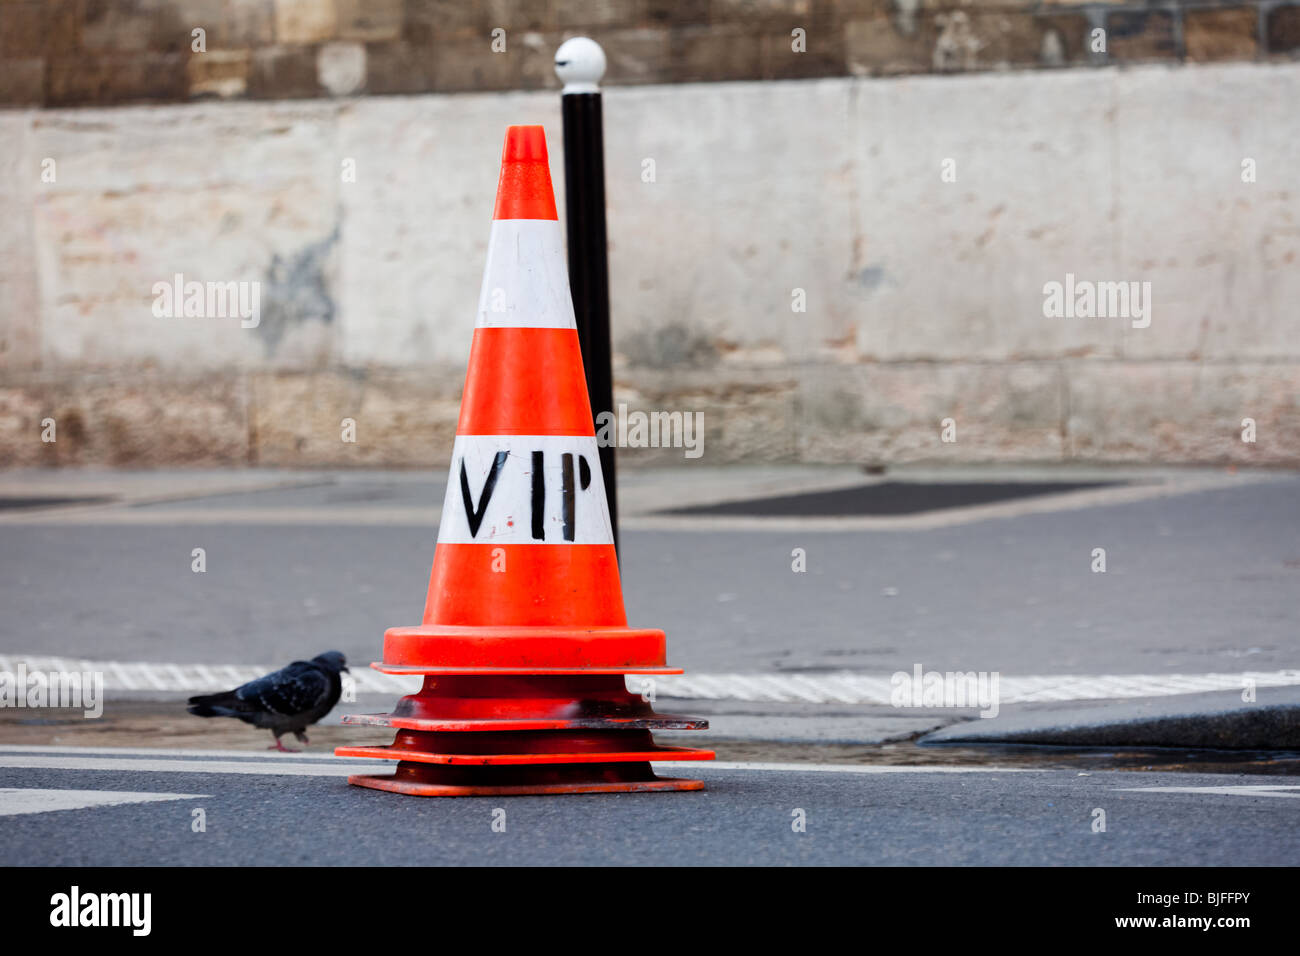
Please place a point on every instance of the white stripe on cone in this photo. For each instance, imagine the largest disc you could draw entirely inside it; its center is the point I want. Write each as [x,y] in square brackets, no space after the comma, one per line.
[506,516]
[525,281]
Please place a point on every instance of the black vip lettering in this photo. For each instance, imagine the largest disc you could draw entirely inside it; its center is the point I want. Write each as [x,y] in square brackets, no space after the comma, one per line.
[568,496]
[568,493]
[474,515]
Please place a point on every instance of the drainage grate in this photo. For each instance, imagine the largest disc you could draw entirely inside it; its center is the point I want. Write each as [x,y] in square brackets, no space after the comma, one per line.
[890,498]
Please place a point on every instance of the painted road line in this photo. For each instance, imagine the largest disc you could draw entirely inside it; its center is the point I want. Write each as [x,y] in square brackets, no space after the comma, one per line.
[1250,790]
[55,758]
[21,800]
[840,768]
[340,516]
[160,765]
[841,687]
[258,754]
[187,678]
[845,687]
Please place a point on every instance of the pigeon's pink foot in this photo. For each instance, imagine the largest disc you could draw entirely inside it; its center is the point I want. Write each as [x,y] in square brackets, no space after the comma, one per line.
[281,747]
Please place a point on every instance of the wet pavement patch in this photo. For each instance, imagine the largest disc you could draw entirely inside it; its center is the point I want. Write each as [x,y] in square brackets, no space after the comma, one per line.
[890,498]
[44,501]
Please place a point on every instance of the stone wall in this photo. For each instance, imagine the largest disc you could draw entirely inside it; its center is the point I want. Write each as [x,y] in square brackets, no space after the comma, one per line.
[58,53]
[918,220]
[310,147]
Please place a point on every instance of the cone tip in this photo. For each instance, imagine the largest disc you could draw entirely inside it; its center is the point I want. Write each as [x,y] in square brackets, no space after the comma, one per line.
[524,190]
[525,144]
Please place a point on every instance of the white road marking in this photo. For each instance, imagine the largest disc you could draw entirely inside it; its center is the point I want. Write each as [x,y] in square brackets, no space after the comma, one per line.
[317,755]
[679,769]
[841,687]
[16,800]
[116,514]
[26,757]
[191,678]
[159,765]
[846,687]
[1253,790]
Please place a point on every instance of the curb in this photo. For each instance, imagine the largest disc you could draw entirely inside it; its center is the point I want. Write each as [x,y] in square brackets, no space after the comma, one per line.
[1218,720]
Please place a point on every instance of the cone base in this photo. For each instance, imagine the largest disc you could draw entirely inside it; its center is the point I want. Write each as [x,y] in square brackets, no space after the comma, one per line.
[430,781]
[413,755]
[468,736]
[526,702]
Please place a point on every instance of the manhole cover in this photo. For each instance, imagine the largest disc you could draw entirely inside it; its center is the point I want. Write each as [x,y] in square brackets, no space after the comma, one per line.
[889,498]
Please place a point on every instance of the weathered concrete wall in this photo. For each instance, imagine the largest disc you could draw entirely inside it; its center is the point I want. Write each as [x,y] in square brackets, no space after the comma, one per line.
[923,278]
[80,53]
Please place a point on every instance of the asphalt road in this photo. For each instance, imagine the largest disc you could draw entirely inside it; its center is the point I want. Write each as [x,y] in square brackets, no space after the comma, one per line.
[1198,583]
[745,817]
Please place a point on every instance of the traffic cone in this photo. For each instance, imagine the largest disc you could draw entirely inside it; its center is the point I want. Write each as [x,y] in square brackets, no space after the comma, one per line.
[524,646]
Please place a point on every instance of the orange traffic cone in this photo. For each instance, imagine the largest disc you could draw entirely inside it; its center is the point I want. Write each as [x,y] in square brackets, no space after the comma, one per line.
[525,643]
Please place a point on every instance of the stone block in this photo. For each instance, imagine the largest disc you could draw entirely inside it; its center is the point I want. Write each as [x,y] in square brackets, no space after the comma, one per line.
[219,73]
[703,54]
[283,73]
[1221,34]
[341,68]
[1282,29]
[878,47]
[1140,36]
[86,80]
[369,21]
[305,21]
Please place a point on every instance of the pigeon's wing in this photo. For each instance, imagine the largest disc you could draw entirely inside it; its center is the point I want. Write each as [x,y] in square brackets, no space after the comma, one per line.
[291,690]
[225,704]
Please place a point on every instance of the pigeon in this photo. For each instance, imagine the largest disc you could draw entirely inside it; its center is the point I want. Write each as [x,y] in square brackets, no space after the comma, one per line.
[289,700]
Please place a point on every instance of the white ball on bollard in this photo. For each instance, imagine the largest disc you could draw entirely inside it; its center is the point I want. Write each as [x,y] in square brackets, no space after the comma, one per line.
[580,63]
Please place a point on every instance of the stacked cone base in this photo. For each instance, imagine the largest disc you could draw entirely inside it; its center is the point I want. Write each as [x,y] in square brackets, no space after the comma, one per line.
[504,735]
[423,780]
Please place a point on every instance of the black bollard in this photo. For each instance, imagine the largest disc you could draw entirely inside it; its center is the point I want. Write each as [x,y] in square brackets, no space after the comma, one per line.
[580,63]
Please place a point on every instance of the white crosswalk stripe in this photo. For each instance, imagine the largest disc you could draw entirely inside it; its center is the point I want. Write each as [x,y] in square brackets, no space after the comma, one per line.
[23,800]
[839,687]
[277,768]
[157,760]
[1253,790]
